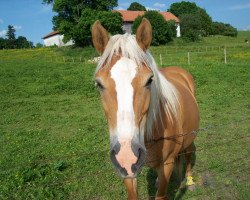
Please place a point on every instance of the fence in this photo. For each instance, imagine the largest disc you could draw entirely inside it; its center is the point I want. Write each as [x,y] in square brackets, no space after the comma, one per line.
[198,148]
[166,56]
[105,167]
[169,55]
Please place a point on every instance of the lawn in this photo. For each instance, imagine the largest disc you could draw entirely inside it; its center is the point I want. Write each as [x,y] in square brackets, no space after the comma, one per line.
[54,141]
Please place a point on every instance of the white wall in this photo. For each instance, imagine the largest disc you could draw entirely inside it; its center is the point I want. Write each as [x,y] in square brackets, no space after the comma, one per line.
[178,30]
[127,27]
[57,40]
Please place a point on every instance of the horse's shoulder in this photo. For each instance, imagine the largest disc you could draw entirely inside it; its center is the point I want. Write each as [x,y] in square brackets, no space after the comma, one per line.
[179,74]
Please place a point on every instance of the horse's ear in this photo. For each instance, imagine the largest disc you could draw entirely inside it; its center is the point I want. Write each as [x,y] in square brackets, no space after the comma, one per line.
[100,37]
[144,34]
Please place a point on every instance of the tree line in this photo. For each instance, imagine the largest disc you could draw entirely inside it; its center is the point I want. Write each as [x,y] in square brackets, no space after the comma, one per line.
[11,42]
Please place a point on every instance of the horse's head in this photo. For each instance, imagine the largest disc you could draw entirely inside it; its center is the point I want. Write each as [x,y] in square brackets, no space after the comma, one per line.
[125,83]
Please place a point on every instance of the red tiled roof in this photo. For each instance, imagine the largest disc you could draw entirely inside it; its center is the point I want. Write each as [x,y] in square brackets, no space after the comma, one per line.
[130,16]
[51,34]
[169,16]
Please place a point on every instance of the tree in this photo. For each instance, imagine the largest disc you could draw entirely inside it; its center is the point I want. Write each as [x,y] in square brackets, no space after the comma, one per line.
[191,27]
[75,17]
[136,7]
[182,9]
[112,21]
[162,31]
[11,38]
[11,33]
[39,45]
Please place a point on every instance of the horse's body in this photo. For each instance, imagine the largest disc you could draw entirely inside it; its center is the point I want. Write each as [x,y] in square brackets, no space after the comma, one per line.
[151,113]
[165,150]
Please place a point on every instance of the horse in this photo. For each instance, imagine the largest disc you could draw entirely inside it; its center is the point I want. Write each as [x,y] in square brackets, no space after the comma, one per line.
[151,112]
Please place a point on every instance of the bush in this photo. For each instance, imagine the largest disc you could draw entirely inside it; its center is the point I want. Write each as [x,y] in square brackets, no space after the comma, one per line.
[219,28]
[162,30]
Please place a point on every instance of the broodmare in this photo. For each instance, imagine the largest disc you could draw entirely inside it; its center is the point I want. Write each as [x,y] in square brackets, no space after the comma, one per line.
[151,112]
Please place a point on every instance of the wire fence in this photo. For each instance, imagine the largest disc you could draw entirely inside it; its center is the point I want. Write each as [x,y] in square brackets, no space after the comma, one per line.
[164,55]
[198,147]
[105,167]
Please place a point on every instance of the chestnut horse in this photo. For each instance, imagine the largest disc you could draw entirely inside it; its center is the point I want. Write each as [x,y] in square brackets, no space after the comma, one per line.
[150,111]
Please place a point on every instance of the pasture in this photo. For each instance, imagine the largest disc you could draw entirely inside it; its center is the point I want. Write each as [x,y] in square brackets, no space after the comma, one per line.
[54,141]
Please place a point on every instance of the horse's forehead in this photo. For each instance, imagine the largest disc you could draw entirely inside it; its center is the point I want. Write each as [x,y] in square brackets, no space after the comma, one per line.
[124,70]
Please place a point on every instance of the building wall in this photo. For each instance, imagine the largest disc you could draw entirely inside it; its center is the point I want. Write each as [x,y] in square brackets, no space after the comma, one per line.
[127,27]
[57,40]
[178,30]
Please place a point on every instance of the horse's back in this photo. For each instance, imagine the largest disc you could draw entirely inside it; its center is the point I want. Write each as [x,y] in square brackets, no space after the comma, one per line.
[180,75]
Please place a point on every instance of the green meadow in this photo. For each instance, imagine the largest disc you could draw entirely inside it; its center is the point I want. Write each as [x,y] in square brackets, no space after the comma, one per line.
[54,140]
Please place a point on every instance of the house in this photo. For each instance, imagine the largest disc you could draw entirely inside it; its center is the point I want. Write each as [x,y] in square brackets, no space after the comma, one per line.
[128,17]
[55,38]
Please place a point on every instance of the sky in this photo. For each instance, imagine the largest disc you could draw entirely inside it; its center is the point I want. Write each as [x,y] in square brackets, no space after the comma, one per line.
[32,19]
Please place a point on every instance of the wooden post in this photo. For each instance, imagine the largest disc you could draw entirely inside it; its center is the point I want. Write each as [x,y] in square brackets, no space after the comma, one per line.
[160,59]
[225,55]
[188,59]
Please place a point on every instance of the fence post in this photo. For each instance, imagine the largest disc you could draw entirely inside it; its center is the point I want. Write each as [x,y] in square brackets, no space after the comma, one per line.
[188,59]
[225,55]
[161,59]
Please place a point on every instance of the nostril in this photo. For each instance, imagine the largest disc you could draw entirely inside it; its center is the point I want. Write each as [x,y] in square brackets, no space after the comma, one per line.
[141,158]
[116,148]
[121,170]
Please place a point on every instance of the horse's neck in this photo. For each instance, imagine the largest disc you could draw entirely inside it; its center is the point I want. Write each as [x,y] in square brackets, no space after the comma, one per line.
[160,127]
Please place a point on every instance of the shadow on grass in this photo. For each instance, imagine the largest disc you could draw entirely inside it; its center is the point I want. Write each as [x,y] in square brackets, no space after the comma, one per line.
[175,190]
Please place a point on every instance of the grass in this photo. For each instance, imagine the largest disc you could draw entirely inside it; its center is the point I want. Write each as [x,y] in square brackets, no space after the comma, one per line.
[54,141]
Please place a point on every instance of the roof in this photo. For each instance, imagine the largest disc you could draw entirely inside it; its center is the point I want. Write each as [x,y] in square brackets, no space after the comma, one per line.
[130,16]
[51,34]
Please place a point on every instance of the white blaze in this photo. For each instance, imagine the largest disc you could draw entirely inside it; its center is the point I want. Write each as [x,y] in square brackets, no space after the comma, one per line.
[123,73]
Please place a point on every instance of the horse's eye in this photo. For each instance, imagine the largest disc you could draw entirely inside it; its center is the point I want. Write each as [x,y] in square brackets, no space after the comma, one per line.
[149,81]
[99,85]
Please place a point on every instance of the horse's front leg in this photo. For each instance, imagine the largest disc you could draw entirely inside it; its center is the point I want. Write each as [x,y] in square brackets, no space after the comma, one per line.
[131,186]
[164,172]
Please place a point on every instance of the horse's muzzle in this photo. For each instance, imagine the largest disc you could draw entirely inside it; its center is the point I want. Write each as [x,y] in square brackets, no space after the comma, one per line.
[128,158]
